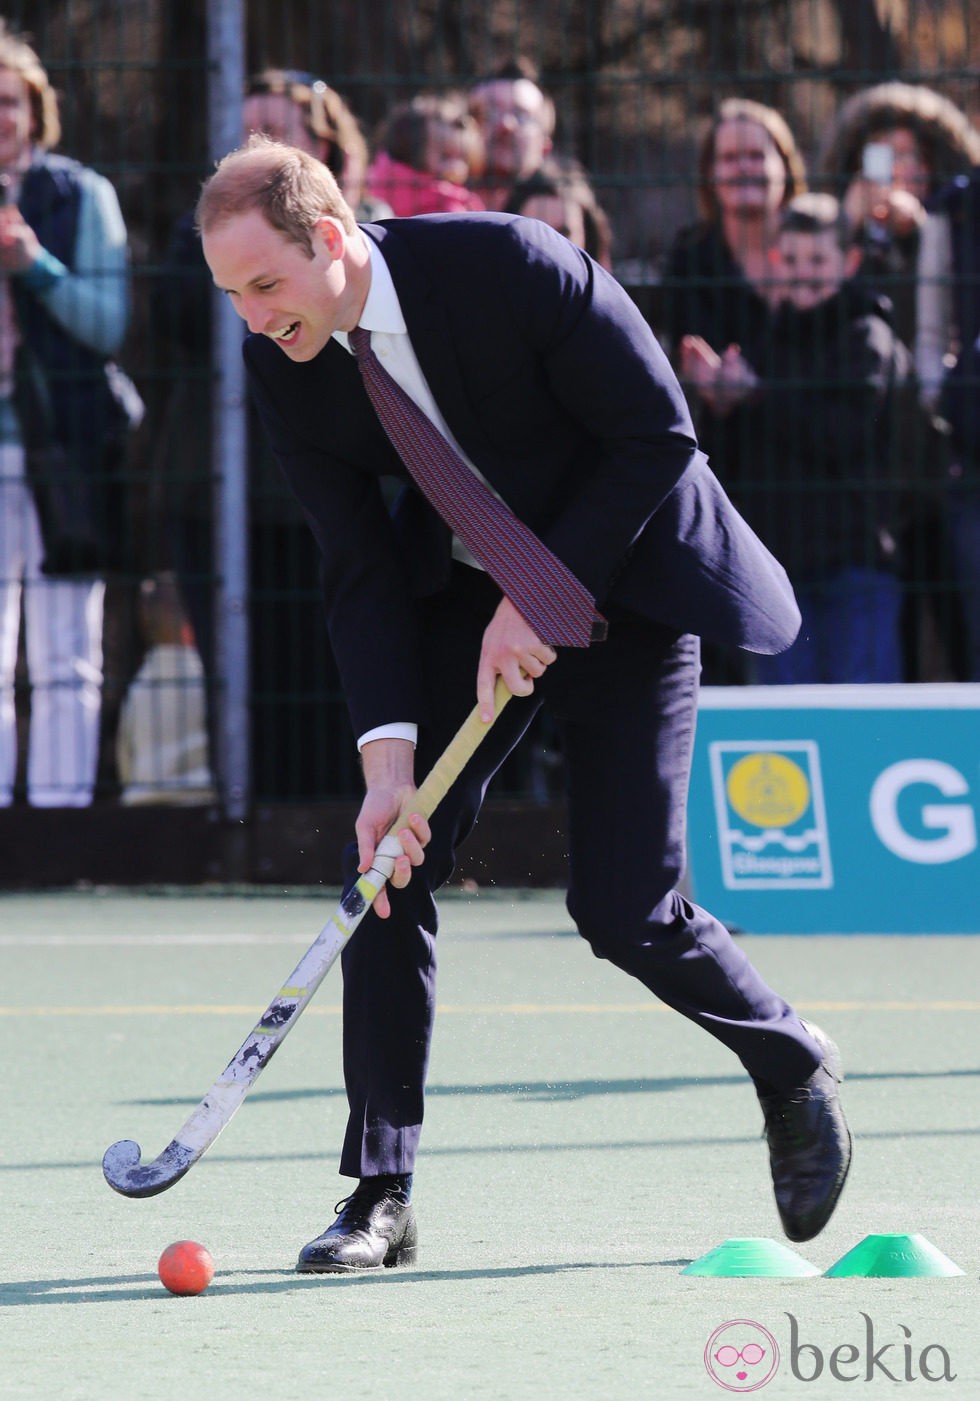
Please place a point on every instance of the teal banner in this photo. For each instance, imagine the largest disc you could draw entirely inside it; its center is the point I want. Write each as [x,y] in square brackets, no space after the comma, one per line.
[838,809]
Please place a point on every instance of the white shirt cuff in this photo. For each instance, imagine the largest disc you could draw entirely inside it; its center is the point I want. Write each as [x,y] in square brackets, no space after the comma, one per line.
[394,731]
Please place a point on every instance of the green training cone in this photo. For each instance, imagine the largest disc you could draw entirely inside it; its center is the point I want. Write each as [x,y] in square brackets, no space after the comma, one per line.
[751,1256]
[894,1256]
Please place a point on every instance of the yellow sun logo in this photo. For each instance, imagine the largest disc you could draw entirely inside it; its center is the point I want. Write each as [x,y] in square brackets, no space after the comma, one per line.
[768,790]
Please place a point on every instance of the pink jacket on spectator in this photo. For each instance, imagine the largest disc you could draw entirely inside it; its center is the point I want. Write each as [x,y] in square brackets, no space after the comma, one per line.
[410,191]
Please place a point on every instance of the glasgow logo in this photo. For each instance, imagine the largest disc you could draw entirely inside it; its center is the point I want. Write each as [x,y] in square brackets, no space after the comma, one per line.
[772,822]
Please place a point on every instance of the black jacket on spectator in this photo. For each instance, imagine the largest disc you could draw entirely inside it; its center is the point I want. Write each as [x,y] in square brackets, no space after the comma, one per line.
[706,294]
[823,479]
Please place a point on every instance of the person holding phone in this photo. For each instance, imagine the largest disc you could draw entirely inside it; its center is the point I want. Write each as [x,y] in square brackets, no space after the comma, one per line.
[891,147]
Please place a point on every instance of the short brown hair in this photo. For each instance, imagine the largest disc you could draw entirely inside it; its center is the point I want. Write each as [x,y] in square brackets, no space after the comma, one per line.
[291,189]
[17,56]
[816,214]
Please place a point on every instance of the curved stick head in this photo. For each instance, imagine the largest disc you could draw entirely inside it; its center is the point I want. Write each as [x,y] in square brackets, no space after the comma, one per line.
[124,1173]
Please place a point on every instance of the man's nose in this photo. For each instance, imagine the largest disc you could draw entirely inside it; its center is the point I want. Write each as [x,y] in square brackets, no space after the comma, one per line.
[252,314]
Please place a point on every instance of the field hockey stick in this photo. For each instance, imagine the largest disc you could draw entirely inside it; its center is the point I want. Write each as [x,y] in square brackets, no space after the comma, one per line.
[121,1163]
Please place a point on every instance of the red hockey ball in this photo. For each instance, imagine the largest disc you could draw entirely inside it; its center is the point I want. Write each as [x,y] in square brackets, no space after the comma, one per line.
[186,1267]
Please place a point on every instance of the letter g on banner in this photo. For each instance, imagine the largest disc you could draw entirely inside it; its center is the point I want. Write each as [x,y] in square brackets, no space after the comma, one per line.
[955,821]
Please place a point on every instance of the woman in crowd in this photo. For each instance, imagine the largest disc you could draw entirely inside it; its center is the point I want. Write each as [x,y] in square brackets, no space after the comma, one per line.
[719,282]
[891,147]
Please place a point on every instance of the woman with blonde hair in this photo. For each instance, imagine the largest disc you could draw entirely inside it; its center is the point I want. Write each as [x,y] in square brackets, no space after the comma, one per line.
[720,278]
[718,282]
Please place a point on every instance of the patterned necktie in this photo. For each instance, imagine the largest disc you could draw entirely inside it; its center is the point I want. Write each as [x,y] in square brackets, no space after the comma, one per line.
[558,607]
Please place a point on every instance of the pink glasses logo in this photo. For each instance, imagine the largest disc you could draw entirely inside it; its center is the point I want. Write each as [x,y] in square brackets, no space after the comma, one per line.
[741,1356]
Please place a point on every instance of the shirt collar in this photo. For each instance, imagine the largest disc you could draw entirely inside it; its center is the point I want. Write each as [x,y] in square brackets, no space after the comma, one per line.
[382,310]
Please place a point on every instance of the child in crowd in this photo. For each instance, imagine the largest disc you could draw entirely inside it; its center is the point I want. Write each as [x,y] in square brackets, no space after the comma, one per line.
[429,148]
[823,427]
[162,739]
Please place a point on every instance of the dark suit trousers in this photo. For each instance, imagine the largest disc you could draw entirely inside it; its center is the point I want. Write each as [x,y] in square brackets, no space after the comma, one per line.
[625,710]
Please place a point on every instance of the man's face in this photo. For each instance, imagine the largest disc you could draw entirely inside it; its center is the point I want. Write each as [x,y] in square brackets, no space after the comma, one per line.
[15,118]
[514,118]
[812,267]
[277,288]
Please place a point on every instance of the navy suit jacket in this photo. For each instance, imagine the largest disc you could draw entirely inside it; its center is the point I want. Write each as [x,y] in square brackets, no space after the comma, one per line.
[554,385]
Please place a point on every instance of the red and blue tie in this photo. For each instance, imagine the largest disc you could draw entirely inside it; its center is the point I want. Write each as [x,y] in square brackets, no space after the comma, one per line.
[558,607]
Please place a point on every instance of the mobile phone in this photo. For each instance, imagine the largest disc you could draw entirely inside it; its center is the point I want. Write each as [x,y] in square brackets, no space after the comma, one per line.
[877,162]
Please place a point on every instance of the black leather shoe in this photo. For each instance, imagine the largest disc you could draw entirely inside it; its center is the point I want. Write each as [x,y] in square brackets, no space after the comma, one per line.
[374,1228]
[809,1145]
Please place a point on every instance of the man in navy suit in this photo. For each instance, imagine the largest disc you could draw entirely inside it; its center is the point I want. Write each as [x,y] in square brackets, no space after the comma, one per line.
[536,366]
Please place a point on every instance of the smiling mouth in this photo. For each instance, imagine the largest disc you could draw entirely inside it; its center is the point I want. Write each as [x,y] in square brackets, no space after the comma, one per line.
[286,335]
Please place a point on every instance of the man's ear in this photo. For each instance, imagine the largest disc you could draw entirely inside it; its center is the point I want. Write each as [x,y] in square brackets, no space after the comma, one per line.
[852,260]
[333,236]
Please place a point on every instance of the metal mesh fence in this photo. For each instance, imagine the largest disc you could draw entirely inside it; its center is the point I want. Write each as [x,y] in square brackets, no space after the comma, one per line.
[636,85]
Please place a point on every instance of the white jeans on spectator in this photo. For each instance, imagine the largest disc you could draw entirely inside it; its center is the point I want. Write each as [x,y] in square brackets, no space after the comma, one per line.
[63,646]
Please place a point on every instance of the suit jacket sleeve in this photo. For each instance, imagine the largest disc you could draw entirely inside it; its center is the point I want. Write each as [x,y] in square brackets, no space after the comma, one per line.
[332,454]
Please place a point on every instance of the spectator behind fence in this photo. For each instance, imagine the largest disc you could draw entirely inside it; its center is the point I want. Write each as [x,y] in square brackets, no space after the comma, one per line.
[303,111]
[428,150]
[822,488]
[947,354]
[560,194]
[517,121]
[64,414]
[718,277]
[293,740]
[890,149]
